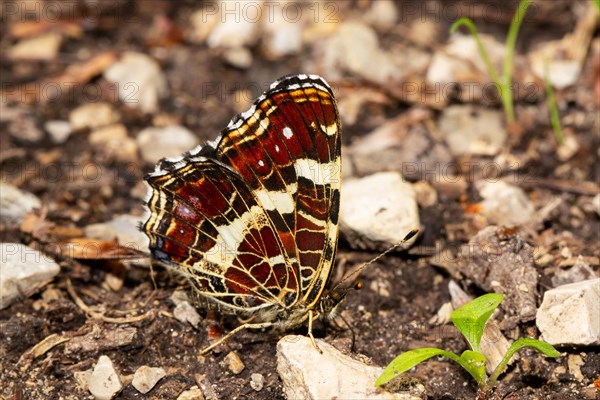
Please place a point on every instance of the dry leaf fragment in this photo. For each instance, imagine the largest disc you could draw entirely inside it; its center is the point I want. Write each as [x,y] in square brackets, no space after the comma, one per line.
[93,249]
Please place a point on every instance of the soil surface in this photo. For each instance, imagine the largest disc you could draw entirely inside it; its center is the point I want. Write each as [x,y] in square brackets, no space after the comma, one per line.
[133,322]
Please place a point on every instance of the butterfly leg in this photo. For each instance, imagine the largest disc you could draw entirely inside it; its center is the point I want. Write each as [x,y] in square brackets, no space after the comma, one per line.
[233,332]
[311,317]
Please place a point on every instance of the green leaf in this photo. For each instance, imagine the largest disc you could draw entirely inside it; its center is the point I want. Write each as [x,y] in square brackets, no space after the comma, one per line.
[471,318]
[511,39]
[474,363]
[468,23]
[554,118]
[543,347]
[409,359]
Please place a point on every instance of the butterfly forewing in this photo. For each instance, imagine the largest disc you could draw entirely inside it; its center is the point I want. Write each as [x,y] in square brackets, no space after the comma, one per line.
[252,219]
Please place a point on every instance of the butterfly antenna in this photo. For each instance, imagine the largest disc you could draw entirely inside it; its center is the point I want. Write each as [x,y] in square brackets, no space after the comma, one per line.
[357,271]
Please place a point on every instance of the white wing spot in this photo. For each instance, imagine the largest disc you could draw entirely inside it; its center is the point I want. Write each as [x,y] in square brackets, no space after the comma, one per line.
[287,132]
[329,130]
[275,200]
[261,163]
[276,149]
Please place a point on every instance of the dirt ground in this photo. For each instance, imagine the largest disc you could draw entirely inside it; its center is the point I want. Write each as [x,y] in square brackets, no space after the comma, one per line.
[134,324]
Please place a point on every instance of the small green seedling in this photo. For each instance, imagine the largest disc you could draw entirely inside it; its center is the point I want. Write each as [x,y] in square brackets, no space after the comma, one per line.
[504,85]
[470,320]
[553,108]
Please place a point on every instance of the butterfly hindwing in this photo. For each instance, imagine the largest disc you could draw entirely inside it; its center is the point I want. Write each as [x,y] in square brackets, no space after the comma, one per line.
[206,223]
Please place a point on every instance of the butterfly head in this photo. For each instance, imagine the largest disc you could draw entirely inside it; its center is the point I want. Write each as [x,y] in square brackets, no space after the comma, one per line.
[330,300]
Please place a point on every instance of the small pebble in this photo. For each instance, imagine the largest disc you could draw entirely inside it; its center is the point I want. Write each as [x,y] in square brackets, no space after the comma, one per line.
[239,57]
[472,129]
[504,204]
[113,141]
[124,228]
[104,383]
[355,48]
[59,131]
[42,47]
[16,203]
[233,32]
[194,393]
[378,210]
[257,381]
[92,116]
[184,311]
[140,81]
[145,378]
[568,148]
[170,141]
[570,314]
[596,204]
[426,194]
[234,363]
[22,271]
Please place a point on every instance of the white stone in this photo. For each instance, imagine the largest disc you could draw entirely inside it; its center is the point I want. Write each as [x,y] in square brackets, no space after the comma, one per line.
[193,393]
[257,381]
[355,48]
[235,29]
[82,378]
[443,68]
[202,22]
[59,131]
[15,203]
[580,271]
[124,228]
[93,115]
[426,194]
[546,64]
[561,73]
[568,148]
[170,141]
[385,149]
[308,374]
[140,81]
[473,130]
[43,47]
[282,35]
[460,62]
[104,383]
[23,270]
[570,314]
[464,46]
[382,14]
[113,141]
[145,378]
[184,312]
[239,57]
[504,204]
[596,203]
[285,41]
[381,208]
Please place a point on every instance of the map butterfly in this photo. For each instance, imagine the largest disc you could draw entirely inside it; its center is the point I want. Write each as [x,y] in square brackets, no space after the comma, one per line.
[251,219]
